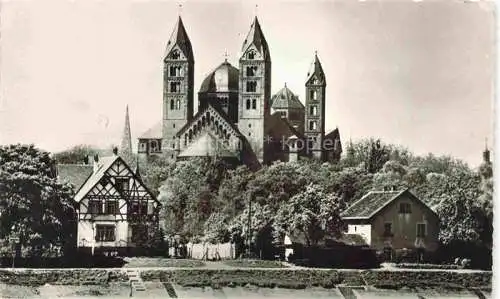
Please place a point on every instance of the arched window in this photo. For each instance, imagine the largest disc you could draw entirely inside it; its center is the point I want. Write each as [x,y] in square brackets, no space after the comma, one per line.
[254,104]
[251,71]
[178,104]
[249,104]
[313,94]
[251,86]
[175,54]
[172,106]
[251,55]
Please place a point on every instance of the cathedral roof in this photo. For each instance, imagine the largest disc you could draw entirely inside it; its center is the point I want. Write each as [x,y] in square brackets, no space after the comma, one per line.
[225,78]
[316,69]
[256,37]
[180,38]
[154,132]
[286,99]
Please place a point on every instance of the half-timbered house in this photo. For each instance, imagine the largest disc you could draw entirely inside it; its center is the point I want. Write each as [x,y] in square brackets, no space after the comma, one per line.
[114,208]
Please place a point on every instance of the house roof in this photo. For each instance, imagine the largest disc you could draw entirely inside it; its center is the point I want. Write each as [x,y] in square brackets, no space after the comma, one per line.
[155,132]
[75,174]
[371,204]
[95,177]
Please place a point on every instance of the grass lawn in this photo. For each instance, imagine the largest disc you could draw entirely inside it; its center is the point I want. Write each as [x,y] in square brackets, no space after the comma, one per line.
[143,262]
[247,263]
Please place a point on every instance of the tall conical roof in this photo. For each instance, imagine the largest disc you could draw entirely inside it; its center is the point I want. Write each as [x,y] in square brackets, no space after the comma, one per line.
[256,37]
[126,144]
[316,70]
[180,38]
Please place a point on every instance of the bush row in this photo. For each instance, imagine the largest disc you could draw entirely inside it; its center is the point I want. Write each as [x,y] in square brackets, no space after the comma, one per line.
[446,279]
[295,279]
[322,278]
[427,266]
[35,278]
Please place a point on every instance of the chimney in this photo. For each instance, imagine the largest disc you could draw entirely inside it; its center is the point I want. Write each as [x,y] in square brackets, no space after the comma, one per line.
[115,151]
[96,162]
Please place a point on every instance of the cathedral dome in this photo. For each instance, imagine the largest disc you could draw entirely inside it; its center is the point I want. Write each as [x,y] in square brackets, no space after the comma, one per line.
[286,99]
[225,78]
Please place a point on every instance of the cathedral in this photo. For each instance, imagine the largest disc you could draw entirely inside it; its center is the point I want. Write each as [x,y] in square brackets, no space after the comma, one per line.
[238,118]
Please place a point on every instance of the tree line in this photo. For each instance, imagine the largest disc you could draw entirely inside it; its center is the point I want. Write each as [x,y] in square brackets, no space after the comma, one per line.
[209,200]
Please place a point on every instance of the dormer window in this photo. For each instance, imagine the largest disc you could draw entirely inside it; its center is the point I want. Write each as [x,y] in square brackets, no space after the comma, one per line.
[251,55]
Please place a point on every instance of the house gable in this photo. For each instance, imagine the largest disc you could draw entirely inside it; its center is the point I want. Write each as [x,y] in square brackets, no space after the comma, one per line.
[103,183]
[374,202]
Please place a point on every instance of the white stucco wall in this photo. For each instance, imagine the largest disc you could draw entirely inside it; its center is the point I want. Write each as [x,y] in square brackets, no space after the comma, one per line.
[87,231]
[364,230]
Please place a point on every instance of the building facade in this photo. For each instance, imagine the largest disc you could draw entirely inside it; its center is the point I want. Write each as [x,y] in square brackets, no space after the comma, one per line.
[115,210]
[237,117]
[393,220]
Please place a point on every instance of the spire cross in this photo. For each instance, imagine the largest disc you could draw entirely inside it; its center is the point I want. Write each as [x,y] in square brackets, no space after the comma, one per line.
[486,142]
[180,8]
[256,9]
[225,55]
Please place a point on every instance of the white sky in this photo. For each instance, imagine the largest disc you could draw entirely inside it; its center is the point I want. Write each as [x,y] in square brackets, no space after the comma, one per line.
[420,74]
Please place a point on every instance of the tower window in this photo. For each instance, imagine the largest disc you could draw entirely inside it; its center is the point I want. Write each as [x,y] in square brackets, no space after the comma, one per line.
[313,94]
[172,104]
[251,71]
[251,86]
[254,104]
[175,71]
[173,126]
[249,103]
[175,87]
[177,104]
[313,110]
[251,55]
[175,55]
[313,125]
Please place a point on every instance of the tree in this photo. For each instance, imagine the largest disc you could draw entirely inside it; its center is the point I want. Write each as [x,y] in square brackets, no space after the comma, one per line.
[79,153]
[312,213]
[34,206]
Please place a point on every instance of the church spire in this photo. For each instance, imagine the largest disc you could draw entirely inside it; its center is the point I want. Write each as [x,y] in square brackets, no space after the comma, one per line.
[486,152]
[126,144]
[179,38]
[256,37]
[316,69]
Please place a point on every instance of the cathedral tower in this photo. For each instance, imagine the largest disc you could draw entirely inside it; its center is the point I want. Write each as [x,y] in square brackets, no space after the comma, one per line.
[254,89]
[178,87]
[314,130]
